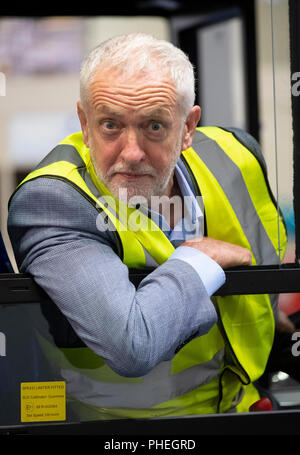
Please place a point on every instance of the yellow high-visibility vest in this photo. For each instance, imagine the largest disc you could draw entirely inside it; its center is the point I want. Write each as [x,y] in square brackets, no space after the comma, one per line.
[210,371]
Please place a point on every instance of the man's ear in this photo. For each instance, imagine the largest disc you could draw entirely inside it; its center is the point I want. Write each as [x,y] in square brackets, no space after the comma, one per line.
[83,122]
[190,126]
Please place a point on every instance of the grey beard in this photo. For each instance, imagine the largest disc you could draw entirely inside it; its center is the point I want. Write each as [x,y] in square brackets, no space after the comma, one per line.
[133,190]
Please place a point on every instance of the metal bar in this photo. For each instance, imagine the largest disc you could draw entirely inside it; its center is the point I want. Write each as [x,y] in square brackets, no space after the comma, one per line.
[261,280]
[253,280]
[21,288]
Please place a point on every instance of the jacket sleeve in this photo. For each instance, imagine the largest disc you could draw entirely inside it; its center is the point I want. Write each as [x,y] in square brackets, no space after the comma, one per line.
[53,230]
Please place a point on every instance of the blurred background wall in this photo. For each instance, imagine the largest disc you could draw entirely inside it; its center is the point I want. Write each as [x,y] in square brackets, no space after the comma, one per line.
[39,64]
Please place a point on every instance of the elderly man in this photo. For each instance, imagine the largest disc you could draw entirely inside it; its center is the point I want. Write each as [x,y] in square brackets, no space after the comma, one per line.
[97,205]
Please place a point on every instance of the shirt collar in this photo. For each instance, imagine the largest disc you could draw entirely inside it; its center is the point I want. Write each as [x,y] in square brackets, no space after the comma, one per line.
[193,215]
[191,204]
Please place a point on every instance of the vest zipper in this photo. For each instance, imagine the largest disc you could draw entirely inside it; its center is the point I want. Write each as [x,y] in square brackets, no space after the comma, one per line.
[221,388]
[234,359]
[227,343]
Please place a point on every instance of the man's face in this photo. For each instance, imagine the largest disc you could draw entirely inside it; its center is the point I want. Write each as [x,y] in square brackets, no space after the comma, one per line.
[135,133]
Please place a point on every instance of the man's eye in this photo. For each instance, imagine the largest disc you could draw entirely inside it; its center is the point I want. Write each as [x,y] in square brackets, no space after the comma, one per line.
[109,125]
[155,126]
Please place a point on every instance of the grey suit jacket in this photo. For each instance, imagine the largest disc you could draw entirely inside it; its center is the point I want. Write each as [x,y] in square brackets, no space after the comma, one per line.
[56,238]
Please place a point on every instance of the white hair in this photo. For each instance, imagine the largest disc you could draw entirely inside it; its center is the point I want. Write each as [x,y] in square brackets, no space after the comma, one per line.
[139,52]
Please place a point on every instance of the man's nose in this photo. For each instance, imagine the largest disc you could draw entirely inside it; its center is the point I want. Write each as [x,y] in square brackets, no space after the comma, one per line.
[132,150]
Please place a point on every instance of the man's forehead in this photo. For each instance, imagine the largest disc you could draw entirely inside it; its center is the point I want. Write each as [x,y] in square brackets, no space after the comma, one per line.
[114,97]
[159,110]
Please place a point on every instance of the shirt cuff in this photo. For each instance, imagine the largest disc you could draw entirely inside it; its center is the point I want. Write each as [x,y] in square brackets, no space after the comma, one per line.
[211,274]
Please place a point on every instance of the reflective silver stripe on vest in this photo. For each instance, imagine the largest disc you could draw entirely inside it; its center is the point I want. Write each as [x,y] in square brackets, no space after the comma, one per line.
[62,152]
[230,179]
[157,387]
[69,153]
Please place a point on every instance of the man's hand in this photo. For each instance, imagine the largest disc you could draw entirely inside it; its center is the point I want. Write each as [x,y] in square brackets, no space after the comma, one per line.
[225,254]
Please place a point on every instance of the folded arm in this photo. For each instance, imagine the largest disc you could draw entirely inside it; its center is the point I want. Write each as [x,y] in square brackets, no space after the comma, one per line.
[55,238]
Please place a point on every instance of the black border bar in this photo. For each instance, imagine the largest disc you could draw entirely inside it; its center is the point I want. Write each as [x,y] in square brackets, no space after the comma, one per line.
[256,423]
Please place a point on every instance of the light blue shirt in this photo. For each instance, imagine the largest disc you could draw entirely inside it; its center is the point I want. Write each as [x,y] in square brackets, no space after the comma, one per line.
[211,274]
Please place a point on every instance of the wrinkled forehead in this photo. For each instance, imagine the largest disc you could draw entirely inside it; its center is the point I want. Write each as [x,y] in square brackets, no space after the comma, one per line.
[145,90]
